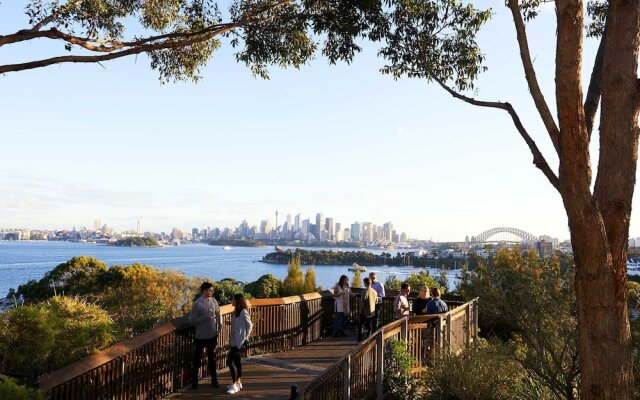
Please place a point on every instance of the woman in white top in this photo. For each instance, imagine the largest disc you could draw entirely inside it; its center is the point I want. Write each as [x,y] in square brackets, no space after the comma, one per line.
[342,294]
[241,327]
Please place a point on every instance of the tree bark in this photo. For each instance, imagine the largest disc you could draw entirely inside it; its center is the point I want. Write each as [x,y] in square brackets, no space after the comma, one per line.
[599,223]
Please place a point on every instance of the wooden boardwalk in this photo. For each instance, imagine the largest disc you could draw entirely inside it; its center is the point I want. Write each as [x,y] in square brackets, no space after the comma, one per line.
[270,376]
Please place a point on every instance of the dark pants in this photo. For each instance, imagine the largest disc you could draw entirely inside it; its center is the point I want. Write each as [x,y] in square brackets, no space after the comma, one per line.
[210,345]
[366,322]
[234,364]
[341,320]
[374,320]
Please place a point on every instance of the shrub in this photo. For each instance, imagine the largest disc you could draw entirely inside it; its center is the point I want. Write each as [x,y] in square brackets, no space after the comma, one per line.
[11,390]
[46,336]
[399,383]
[483,372]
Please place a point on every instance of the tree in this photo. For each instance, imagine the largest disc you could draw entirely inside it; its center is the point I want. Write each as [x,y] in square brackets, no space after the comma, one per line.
[357,280]
[180,36]
[78,276]
[530,303]
[310,280]
[294,282]
[436,40]
[422,278]
[267,286]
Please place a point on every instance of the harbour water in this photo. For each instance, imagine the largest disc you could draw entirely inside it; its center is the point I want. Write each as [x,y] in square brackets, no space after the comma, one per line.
[22,261]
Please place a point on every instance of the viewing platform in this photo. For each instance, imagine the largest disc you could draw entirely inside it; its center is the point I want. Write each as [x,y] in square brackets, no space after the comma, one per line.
[291,344]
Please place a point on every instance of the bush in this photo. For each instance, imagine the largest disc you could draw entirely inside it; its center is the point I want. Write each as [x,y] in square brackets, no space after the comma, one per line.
[11,390]
[483,372]
[46,336]
[399,383]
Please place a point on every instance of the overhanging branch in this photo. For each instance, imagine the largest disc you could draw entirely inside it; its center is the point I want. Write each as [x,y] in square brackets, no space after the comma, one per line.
[530,74]
[538,159]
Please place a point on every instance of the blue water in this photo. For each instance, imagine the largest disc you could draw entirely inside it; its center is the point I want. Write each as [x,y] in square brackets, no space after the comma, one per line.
[22,261]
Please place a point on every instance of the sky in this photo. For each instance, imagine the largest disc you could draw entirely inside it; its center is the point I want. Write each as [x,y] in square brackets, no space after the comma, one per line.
[108,142]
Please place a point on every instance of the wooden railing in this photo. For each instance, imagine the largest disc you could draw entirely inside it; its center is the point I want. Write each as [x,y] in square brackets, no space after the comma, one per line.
[158,362]
[360,373]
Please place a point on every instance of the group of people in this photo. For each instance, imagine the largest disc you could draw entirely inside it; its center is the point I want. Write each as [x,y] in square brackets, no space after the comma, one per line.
[205,316]
[371,303]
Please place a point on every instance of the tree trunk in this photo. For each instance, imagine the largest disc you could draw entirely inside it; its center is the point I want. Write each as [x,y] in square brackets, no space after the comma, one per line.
[599,222]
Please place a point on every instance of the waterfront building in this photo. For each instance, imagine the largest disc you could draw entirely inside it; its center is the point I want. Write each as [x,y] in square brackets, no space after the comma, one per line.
[176,233]
[304,228]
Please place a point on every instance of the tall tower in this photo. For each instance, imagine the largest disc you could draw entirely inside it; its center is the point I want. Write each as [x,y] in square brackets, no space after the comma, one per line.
[276,224]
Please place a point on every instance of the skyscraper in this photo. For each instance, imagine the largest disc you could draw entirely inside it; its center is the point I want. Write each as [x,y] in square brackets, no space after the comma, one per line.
[355,232]
[329,228]
[319,225]
[296,226]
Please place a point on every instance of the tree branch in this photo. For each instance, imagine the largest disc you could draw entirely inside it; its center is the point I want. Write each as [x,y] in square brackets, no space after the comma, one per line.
[595,85]
[167,44]
[530,74]
[538,159]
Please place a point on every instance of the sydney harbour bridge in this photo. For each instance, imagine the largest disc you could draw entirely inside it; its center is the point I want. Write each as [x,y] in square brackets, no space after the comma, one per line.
[504,234]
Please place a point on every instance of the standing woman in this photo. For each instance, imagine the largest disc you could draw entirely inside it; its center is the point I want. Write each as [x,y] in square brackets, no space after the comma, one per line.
[241,327]
[342,294]
[420,302]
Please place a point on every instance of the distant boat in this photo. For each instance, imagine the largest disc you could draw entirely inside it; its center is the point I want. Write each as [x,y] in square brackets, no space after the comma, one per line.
[633,267]
[226,248]
[176,243]
[356,267]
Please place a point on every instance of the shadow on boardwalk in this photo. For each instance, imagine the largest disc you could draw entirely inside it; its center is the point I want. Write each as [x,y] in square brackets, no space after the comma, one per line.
[270,376]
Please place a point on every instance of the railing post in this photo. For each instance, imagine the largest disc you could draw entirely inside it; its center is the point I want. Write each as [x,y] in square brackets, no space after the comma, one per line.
[449,333]
[404,329]
[475,319]
[380,364]
[467,323]
[346,376]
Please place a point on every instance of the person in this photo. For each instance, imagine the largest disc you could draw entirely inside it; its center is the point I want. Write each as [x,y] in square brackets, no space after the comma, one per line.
[379,288]
[420,303]
[241,327]
[367,308]
[401,303]
[205,316]
[436,306]
[342,294]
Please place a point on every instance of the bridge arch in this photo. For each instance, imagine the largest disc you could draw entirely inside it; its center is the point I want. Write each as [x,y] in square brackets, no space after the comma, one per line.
[524,235]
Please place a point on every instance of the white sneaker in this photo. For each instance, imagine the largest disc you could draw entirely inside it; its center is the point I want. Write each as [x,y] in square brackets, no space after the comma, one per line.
[234,389]
[230,386]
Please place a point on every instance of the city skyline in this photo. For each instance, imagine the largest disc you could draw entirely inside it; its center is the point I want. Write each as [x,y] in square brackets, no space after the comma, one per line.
[341,138]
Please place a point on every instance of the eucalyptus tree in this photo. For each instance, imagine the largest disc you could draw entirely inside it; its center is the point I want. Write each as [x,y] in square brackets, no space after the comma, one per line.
[436,40]
[180,36]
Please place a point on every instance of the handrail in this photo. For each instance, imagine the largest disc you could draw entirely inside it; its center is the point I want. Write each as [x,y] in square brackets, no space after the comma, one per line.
[158,362]
[369,375]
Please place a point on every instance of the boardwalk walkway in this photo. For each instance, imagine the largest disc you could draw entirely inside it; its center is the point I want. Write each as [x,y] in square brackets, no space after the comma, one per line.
[270,376]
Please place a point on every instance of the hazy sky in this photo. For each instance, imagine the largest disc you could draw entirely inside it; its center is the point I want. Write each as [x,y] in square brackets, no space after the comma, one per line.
[86,142]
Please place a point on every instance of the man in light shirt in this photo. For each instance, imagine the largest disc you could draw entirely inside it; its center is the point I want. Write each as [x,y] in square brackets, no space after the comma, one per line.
[379,288]
[205,316]
[401,303]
